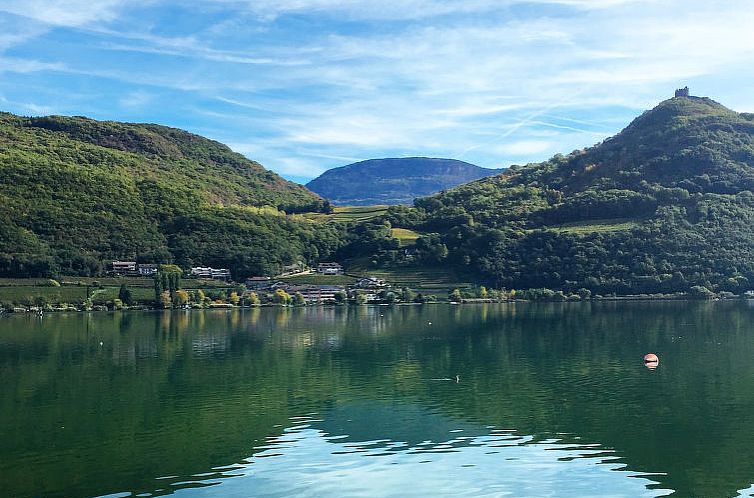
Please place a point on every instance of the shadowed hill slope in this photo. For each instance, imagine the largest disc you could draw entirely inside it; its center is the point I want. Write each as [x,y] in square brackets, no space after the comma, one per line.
[393,181]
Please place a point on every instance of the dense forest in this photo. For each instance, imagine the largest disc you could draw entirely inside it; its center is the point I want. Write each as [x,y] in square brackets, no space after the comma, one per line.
[77,193]
[664,206]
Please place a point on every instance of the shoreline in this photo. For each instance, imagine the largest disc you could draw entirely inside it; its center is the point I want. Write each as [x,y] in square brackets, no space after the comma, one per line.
[631,298]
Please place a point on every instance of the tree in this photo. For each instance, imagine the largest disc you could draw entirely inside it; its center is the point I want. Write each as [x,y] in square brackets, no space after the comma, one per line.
[124,294]
[298,299]
[169,277]
[281,297]
[165,300]
[584,293]
[181,298]
[340,297]
[158,288]
[407,295]
[483,292]
[701,292]
[234,298]
[455,296]
[361,298]
[253,299]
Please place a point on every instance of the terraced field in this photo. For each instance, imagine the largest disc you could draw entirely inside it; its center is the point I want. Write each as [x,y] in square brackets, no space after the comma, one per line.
[596,226]
[348,214]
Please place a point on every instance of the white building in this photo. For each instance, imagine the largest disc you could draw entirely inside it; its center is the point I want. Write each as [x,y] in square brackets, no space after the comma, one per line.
[330,269]
[209,272]
[148,269]
[124,267]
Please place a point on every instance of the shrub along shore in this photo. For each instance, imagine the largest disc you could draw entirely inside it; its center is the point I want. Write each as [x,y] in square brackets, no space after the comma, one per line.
[168,291]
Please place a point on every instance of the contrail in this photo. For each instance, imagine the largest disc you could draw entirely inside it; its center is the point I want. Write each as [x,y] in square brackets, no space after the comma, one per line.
[517,126]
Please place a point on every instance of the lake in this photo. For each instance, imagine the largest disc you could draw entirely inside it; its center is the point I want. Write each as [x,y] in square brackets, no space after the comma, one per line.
[550,400]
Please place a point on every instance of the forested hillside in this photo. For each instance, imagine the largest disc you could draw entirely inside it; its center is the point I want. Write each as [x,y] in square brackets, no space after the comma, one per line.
[664,206]
[393,181]
[76,193]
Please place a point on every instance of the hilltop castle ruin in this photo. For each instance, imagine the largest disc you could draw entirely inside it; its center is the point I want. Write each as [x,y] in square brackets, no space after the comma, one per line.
[682,92]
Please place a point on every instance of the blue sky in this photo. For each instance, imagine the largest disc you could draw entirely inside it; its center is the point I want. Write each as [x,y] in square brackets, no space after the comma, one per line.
[306,85]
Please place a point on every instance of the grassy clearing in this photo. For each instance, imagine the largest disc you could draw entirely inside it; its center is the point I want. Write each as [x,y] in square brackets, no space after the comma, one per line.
[69,294]
[73,290]
[23,282]
[54,295]
[405,236]
[592,226]
[139,295]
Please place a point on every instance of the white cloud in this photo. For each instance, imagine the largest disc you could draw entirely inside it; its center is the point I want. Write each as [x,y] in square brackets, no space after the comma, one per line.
[402,9]
[16,65]
[479,78]
[65,12]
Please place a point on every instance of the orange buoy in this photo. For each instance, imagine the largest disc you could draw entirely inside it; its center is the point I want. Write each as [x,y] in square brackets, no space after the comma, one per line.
[651,360]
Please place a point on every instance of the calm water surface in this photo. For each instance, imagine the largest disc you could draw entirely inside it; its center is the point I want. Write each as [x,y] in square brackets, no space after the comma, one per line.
[552,400]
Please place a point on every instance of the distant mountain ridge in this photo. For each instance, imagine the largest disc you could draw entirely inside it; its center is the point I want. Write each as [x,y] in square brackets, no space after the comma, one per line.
[394,180]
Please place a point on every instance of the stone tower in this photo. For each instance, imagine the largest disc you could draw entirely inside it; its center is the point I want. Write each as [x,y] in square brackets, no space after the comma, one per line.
[682,92]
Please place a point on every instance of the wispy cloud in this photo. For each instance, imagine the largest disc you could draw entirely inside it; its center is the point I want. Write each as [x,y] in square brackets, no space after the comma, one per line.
[65,12]
[16,65]
[302,85]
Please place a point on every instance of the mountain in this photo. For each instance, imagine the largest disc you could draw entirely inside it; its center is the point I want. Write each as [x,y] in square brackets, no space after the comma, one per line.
[393,181]
[76,193]
[664,206]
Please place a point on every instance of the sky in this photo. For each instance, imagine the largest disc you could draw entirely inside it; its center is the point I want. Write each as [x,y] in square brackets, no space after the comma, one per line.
[306,85]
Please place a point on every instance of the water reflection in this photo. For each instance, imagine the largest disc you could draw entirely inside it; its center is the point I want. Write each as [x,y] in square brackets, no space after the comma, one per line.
[312,457]
[307,461]
[119,403]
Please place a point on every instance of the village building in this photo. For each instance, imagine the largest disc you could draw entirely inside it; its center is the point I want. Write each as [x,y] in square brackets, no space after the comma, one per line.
[371,283]
[148,269]
[296,267]
[124,267]
[330,269]
[258,283]
[208,272]
[312,293]
[370,295]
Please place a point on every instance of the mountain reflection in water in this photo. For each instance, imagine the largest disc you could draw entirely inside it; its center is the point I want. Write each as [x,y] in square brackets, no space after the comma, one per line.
[552,399]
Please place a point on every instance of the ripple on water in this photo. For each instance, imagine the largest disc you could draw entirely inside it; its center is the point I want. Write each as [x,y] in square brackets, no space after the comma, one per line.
[307,461]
